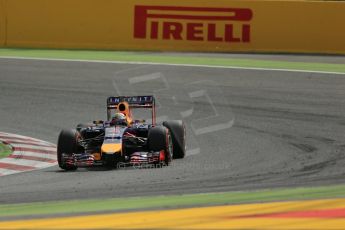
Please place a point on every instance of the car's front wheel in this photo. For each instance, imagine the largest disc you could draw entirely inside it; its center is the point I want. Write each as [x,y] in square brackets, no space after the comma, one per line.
[159,139]
[67,144]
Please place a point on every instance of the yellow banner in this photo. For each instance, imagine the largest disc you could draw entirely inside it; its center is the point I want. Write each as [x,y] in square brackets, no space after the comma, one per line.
[189,25]
[2,23]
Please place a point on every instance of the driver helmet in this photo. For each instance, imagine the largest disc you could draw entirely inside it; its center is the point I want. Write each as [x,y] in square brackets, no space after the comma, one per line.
[119,119]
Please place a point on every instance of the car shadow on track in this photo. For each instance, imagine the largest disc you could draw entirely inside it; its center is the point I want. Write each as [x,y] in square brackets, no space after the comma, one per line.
[104,168]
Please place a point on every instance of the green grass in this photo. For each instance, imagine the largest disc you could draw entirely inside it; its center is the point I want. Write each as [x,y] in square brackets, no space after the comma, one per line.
[168,202]
[171,59]
[5,150]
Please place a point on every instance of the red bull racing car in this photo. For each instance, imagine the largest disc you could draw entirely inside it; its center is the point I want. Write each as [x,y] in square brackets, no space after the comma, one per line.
[122,140]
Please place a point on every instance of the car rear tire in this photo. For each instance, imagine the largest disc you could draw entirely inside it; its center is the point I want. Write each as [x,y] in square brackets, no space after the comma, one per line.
[178,134]
[67,144]
[159,139]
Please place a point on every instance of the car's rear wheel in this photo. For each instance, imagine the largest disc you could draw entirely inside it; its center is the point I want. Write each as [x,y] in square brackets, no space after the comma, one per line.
[67,144]
[159,139]
[178,134]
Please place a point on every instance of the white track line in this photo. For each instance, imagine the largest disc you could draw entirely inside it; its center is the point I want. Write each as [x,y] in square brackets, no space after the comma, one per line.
[33,143]
[4,172]
[169,64]
[18,136]
[33,154]
[24,162]
[29,154]
[23,138]
[48,148]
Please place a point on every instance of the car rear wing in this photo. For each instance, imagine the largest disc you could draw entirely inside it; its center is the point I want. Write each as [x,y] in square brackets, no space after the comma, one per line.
[132,102]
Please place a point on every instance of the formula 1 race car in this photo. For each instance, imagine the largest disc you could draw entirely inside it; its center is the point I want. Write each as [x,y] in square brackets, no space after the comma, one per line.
[121,139]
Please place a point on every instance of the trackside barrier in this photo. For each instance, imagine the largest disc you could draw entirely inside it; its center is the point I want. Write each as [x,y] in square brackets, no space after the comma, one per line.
[189,25]
[2,24]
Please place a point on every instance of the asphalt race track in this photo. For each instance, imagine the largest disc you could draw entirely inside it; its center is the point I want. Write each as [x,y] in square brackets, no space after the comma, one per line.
[247,129]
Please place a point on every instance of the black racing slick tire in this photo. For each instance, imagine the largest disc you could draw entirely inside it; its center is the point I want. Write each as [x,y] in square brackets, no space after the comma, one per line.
[159,139]
[178,134]
[67,143]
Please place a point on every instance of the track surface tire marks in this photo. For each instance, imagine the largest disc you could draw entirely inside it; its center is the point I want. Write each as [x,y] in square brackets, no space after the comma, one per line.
[288,128]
